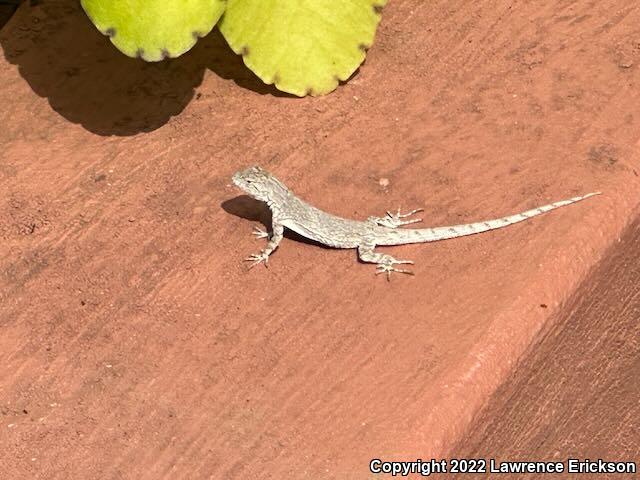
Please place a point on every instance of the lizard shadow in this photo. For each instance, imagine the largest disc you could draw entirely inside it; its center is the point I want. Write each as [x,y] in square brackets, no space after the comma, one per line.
[244,206]
[7,9]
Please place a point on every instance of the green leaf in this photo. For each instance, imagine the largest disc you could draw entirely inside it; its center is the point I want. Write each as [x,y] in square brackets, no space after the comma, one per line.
[154,29]
[304,47]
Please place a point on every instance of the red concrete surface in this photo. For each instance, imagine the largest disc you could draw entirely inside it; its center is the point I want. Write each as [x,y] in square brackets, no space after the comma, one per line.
[134,343]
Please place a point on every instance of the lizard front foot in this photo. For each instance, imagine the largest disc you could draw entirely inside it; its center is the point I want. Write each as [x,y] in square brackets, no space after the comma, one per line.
[388,268]
[260,233]
[256,258]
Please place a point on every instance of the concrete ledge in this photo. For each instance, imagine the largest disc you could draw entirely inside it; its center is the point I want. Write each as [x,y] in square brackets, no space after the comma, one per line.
[575,394]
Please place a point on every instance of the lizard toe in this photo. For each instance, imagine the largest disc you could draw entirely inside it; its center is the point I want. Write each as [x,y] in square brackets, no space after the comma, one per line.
[257,258]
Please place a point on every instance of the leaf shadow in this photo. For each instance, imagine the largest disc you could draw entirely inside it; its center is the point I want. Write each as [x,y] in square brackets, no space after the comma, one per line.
[88,81]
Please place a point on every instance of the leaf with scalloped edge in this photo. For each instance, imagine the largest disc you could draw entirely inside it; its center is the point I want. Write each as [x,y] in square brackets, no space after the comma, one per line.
[151,29]
[304,47]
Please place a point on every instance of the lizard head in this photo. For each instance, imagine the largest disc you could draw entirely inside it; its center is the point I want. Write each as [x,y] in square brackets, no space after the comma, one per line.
[258,183]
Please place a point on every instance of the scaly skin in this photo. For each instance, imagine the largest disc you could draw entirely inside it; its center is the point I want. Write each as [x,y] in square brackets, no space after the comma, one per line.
[293,213]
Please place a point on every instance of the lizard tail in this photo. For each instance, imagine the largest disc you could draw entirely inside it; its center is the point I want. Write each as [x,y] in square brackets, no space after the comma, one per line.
[421,235]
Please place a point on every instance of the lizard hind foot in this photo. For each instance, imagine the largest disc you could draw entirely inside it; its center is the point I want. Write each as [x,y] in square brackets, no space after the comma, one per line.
[395,220]
[388,268]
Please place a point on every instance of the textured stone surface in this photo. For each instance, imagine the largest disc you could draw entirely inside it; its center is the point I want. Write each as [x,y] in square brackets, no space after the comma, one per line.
[135,344]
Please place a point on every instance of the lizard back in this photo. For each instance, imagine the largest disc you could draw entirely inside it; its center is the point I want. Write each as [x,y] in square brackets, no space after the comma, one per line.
[323,227]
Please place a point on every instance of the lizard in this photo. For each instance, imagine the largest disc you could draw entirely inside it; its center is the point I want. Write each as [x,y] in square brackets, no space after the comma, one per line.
[297,215]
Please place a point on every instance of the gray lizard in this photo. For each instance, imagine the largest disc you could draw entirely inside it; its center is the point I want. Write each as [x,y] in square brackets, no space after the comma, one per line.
[310,222]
